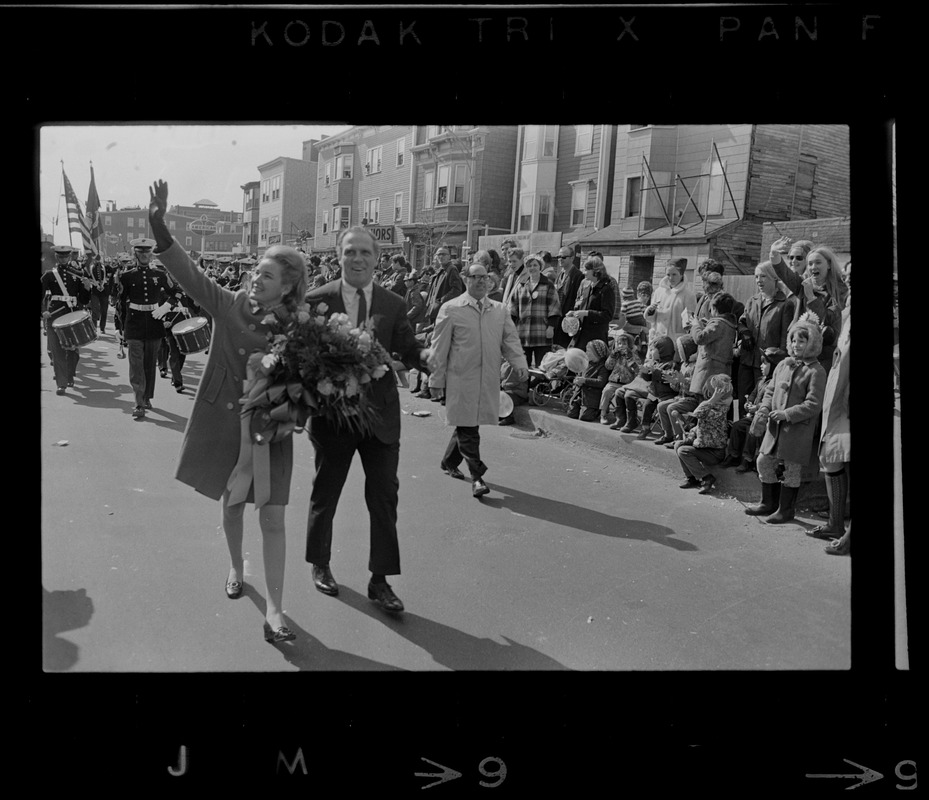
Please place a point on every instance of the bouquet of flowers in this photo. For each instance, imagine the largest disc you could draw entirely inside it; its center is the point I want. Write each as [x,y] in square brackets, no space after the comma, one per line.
[313,366]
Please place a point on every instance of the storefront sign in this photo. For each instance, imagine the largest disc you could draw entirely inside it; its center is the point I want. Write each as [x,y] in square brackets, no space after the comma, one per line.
[383,234]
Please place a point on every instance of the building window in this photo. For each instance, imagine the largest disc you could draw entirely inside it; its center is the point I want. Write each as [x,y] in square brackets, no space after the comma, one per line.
[141,223]
[342,217]
[714,200]
[549,141]
[188,241]
[265,190]
[401,150]
[585,139]
[531,143]
[276,187]
[343,167]
[172,225]
[579,204]
[274,224]
[433,130]
[372,211]
[459,195]
[633,196]
[328,172]
[398,207]
[525,212]
[325,222]
[373,160]
[130,222]
[107,221]
[428,188]
[263,229]
[441,197]
[545,213]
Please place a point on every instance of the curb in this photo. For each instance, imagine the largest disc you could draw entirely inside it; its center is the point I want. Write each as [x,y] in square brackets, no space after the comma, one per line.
[742,486]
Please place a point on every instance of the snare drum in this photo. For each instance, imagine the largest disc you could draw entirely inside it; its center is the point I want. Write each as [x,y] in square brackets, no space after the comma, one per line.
[75,329]
[192,335]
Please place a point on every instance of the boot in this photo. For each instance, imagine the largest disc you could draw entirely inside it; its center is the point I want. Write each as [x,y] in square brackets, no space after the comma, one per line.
[770,497]
[785,511]
[836,490]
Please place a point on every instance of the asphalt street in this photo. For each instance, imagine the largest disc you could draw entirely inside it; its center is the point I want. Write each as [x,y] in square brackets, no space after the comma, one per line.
[577,560]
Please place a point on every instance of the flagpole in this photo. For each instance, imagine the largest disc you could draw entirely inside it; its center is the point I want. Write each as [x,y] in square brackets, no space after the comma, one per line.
[70,240]
[60,193]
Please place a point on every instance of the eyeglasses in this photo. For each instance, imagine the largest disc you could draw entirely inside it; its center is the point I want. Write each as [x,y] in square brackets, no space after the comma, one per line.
[796,258]
[562,258]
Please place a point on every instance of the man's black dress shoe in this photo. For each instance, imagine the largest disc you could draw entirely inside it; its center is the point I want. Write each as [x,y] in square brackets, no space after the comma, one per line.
[479,488]
[323,580]
[453,471]
[384,596]
[60,390]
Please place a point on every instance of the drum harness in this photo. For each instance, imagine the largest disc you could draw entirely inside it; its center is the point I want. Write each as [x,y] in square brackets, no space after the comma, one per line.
[70,300]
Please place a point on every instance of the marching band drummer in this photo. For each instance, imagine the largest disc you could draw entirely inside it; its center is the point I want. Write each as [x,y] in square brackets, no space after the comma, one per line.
[180,307]
[144,289]
[64,289]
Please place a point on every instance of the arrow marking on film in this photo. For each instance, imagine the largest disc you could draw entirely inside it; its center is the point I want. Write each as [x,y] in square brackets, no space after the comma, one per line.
[447,774]
[867,775]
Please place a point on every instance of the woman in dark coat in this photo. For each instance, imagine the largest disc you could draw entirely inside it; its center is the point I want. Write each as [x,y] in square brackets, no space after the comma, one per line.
[764,323]
[595,304]
[213,437]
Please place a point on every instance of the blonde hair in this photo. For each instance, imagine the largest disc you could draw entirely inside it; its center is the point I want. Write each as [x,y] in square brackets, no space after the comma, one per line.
[293,272]
[719,381]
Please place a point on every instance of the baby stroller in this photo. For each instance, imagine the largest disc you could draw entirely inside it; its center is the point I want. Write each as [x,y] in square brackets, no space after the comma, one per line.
[549,381]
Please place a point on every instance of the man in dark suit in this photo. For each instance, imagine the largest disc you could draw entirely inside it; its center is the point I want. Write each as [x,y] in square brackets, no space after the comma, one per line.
[567,283]
[446,283]
[356,295]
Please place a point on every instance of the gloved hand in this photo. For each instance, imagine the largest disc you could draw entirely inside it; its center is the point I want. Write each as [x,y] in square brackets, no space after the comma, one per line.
[163,309]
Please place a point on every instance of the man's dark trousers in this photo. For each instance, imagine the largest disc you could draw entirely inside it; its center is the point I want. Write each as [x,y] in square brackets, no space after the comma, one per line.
[335,450]
[465,444]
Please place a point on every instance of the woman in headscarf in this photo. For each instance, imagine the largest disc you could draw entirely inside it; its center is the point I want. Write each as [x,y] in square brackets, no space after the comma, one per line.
[673,295]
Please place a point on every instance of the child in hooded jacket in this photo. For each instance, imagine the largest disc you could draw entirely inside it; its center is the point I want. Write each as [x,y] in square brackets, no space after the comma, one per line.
[585,401]
[743,445]
[792,403]
[705,444]
[623,363]
[669,411]
[656,369]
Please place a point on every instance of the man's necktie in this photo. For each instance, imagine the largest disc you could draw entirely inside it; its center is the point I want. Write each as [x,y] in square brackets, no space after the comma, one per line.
[362,308]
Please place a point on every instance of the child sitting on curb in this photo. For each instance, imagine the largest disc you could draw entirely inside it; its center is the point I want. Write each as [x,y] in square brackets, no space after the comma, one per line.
[656,369]
[669,411]
[705,444]
[623,363]
[585,402]
[743,446]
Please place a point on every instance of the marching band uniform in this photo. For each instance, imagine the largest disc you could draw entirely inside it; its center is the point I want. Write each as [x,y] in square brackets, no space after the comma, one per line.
[64,289]
[99,294]
[181,307]
[144,289]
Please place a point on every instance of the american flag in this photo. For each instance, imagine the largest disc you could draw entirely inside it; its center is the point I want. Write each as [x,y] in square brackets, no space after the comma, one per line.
[77,223]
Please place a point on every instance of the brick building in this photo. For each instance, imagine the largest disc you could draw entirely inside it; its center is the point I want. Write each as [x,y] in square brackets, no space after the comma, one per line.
[123,225]
[416,186]
[250,207]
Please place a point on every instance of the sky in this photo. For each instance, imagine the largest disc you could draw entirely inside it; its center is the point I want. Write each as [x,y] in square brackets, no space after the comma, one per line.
[198,162]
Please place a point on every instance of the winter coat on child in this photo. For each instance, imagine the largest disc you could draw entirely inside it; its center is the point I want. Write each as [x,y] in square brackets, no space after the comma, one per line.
[585,401]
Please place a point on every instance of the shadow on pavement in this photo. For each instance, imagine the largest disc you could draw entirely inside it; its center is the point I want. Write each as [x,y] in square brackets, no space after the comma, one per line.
[451,647]
[584,519]
[62,611]
[306,652]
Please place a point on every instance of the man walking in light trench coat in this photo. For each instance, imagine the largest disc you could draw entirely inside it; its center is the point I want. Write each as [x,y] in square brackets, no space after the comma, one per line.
[472,337]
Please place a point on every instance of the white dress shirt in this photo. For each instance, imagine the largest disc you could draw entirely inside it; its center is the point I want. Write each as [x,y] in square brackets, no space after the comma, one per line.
[350,299]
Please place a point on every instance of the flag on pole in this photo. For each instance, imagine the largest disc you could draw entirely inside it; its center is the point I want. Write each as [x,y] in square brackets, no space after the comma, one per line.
[76,220]
[93,211]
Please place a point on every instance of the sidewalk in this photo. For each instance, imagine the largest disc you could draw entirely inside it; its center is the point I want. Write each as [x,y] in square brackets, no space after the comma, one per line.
[551,420]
